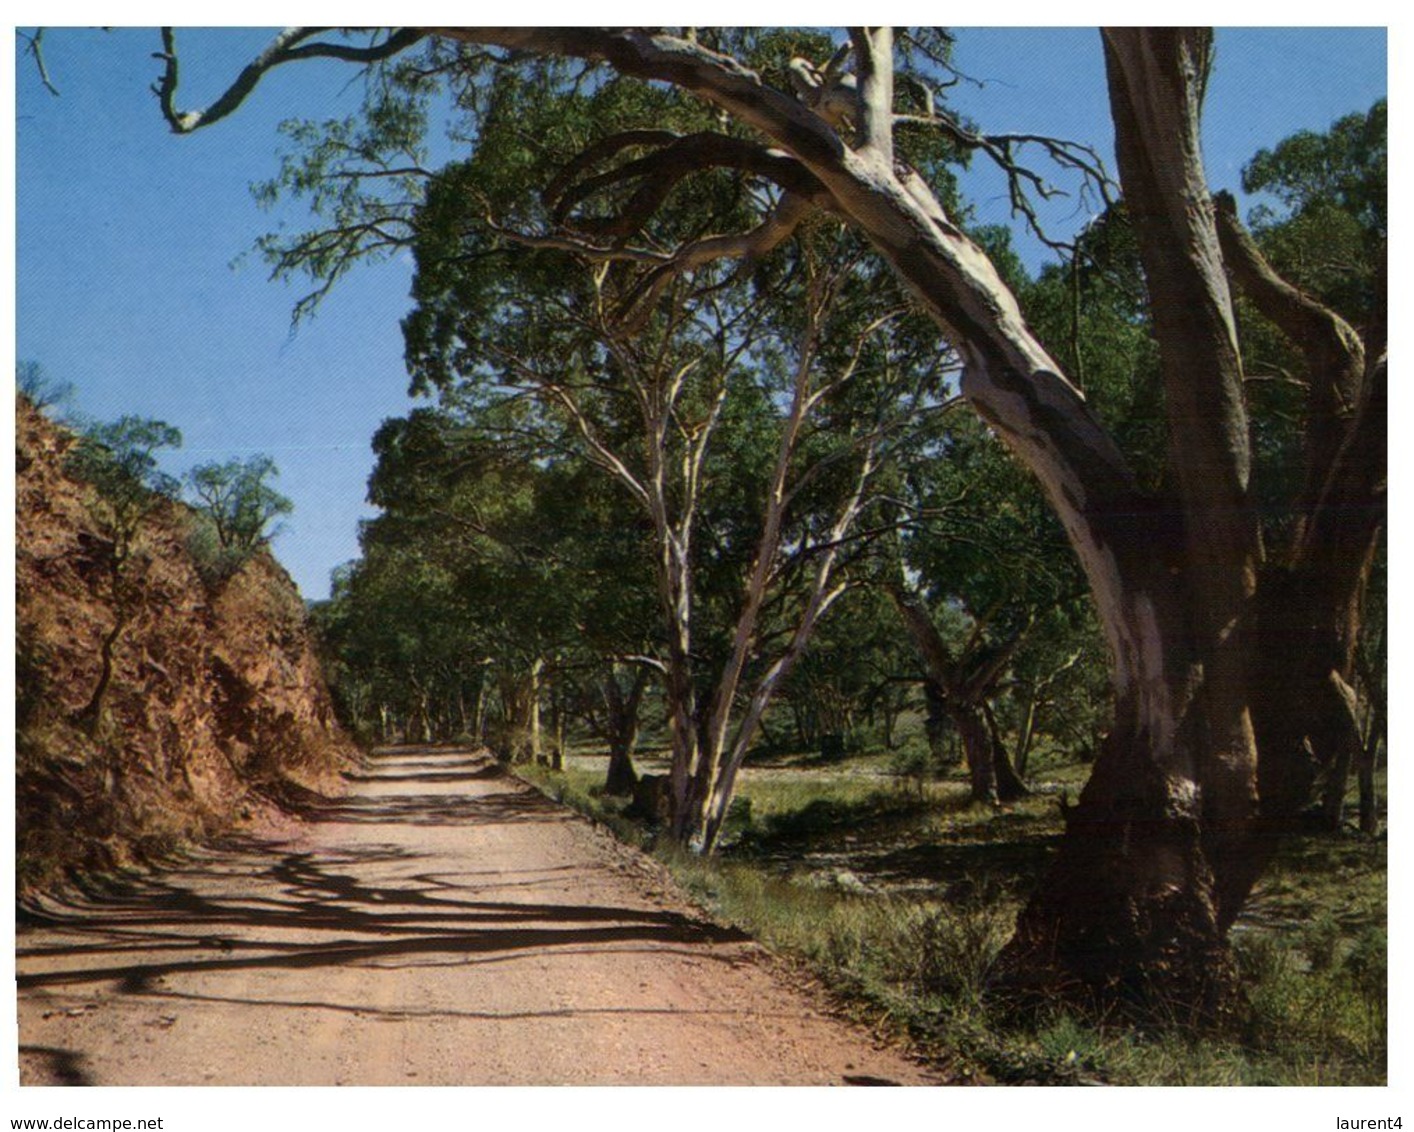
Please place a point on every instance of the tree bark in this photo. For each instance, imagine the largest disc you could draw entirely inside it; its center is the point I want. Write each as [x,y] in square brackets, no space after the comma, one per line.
[1153,866]
[622,711]
[977,750]
[1009,784]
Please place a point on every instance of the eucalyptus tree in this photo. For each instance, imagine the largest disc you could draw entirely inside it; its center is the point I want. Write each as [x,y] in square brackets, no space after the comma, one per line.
[738,422]
[119,459]
[1201,767]
[236,496]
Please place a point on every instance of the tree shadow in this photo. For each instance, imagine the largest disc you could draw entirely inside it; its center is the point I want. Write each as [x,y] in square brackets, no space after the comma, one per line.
[524,805]
[61,1066]
[262,905]
[964,868]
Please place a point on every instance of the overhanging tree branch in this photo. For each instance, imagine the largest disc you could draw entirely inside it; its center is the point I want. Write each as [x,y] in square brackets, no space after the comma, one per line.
[291,45]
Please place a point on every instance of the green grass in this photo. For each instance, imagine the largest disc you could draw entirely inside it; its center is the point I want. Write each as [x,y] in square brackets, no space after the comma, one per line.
[901,897]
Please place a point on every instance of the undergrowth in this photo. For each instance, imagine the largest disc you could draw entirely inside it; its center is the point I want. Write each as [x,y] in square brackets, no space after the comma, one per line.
[900,898]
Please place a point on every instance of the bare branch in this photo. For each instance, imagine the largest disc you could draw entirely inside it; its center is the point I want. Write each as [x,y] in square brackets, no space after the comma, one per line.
[1023,182]
[289,46]
[663,169]
[873,54]
[34,47]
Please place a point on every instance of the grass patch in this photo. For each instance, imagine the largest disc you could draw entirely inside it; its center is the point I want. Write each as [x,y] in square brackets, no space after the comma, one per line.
[900,899]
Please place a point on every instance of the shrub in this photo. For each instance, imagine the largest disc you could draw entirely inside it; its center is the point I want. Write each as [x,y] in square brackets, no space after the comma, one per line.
[947,952]
[215,563]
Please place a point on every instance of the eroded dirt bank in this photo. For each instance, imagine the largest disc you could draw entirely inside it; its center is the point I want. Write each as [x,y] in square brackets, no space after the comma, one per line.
[211,704]
[442,924]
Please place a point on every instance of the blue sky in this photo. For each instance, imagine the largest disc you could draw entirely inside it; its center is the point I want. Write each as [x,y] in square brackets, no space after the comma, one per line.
[126,236]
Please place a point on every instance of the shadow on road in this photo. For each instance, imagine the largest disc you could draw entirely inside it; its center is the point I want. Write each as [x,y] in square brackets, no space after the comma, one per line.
[62,1066]
[256,904]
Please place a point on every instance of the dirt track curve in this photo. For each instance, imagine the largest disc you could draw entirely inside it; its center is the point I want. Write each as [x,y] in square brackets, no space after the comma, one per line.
[442,924]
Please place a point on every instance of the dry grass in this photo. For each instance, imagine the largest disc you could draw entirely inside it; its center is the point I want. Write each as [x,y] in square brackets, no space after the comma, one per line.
[901,897]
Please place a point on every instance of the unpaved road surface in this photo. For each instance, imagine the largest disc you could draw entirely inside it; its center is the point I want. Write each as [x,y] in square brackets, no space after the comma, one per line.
[442,924]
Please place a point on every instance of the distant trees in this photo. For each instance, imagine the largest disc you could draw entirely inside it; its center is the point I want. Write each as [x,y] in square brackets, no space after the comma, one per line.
[489,585]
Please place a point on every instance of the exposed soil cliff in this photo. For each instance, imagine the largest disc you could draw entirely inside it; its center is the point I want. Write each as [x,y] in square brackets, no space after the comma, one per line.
[216,704]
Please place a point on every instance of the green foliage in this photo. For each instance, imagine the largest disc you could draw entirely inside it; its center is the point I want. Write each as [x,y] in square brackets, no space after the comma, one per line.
[239,503]
[1346,168]
[480,564]
[120,461]
[943,954]
[916,762]
[214,562]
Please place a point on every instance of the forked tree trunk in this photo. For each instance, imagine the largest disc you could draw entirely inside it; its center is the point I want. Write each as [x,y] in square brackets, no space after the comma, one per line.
[1009,784]
[957,688]
[622,713]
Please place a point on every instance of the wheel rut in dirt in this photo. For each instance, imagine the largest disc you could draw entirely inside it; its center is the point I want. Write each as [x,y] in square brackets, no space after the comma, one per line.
[441,923]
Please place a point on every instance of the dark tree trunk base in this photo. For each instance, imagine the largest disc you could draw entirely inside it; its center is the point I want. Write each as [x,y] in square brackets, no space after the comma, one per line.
[621,778]
[1124,926]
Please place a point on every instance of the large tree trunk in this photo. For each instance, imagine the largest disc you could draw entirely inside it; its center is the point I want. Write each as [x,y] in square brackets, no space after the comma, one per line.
[977,749]
[1153,866]
[1127,919]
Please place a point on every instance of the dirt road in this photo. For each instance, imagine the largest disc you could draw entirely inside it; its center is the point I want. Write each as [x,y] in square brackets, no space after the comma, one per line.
[440,925]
